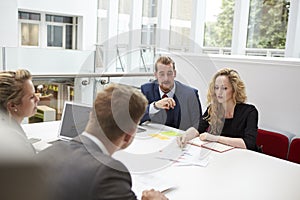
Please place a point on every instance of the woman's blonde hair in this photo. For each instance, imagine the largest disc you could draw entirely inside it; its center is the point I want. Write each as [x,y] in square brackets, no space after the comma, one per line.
[11,87]
[216,112]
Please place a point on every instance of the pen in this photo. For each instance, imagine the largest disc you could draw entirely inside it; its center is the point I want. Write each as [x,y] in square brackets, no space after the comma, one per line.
[169,159]
[187,153]
[167,190]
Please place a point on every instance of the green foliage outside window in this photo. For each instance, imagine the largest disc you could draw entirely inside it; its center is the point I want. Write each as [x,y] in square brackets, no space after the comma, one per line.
[219,33]
[267,25]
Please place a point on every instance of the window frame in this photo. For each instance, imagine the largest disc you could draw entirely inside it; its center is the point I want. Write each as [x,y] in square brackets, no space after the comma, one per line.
[63,34]
[29,21]
[43,30]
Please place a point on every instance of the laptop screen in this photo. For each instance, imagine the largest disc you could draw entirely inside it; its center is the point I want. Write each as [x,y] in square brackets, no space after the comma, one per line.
[74,119]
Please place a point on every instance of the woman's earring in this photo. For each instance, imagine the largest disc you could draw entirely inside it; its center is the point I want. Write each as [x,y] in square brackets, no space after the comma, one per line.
[16,110]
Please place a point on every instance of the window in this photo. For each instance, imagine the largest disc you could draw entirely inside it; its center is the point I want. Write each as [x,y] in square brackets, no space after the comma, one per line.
[60,31]
[267,24]
[150,8]
[30,28]
[102,32]
[149,22]
[124,20]
[260,27]
[181,15]
[218,23]
[148,34]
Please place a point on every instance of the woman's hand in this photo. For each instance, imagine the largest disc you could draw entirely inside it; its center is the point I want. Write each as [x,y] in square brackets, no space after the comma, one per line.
[208,137]
[189,134]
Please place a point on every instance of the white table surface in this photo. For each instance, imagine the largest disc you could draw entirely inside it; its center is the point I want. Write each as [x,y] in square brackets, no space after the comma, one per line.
[235,174]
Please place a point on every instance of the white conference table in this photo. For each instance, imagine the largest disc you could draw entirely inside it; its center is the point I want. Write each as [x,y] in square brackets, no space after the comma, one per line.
[235,174]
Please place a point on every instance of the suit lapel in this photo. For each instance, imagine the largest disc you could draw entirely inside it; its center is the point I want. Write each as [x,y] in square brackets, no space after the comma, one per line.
[177,110]
[177,113]
[156,92]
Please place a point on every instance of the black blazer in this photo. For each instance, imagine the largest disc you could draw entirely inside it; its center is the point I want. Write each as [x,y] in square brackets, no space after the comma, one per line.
[242,125]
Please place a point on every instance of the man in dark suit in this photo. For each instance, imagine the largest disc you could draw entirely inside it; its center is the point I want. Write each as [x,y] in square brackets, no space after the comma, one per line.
[171,102]
[83,168]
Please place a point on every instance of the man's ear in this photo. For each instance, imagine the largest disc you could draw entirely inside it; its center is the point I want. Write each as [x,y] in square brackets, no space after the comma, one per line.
[127,137]
[155,74]
[174,73]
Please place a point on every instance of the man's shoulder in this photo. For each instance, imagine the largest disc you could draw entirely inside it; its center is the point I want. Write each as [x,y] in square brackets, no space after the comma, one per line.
[149,85]
[184,87]
[80,152]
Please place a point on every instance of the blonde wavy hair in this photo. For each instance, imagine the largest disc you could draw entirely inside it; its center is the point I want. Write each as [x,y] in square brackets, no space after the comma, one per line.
[11,86]
[216,112]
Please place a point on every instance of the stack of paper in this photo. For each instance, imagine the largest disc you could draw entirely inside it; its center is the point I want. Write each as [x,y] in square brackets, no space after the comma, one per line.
[190,155]
[154,181]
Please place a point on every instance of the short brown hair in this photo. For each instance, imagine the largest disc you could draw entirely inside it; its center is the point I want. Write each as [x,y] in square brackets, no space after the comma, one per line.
[11,86]
[118,109]
[166,60]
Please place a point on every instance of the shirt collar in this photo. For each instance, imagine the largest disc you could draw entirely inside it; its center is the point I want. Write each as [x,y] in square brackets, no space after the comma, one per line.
[96,141]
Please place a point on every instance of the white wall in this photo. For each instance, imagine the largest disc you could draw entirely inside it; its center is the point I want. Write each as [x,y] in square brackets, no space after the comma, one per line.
[45,60]
[271,85]
[9,26]
[87,10]
[50,61]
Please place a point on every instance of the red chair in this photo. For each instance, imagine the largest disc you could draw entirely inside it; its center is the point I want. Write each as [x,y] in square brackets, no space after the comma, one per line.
[272,143]
[294,152]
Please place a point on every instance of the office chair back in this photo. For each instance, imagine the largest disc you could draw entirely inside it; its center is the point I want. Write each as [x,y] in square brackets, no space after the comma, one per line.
[272,143]
[294,151]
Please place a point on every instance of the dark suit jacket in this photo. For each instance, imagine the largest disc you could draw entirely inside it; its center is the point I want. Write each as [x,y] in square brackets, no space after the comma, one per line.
[187,111]
[78,170]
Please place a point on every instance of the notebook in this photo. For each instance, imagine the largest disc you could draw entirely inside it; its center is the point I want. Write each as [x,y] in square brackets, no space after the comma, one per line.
[74,120]
[214,146]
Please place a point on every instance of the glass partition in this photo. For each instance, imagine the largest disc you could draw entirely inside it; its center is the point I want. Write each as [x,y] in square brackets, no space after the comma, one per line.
[54,89]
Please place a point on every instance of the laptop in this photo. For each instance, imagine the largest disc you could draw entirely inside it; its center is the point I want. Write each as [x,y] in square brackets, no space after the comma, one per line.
[73,120]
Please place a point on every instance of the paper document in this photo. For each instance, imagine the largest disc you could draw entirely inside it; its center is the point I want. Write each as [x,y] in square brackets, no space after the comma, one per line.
[150,181]
[190,155]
